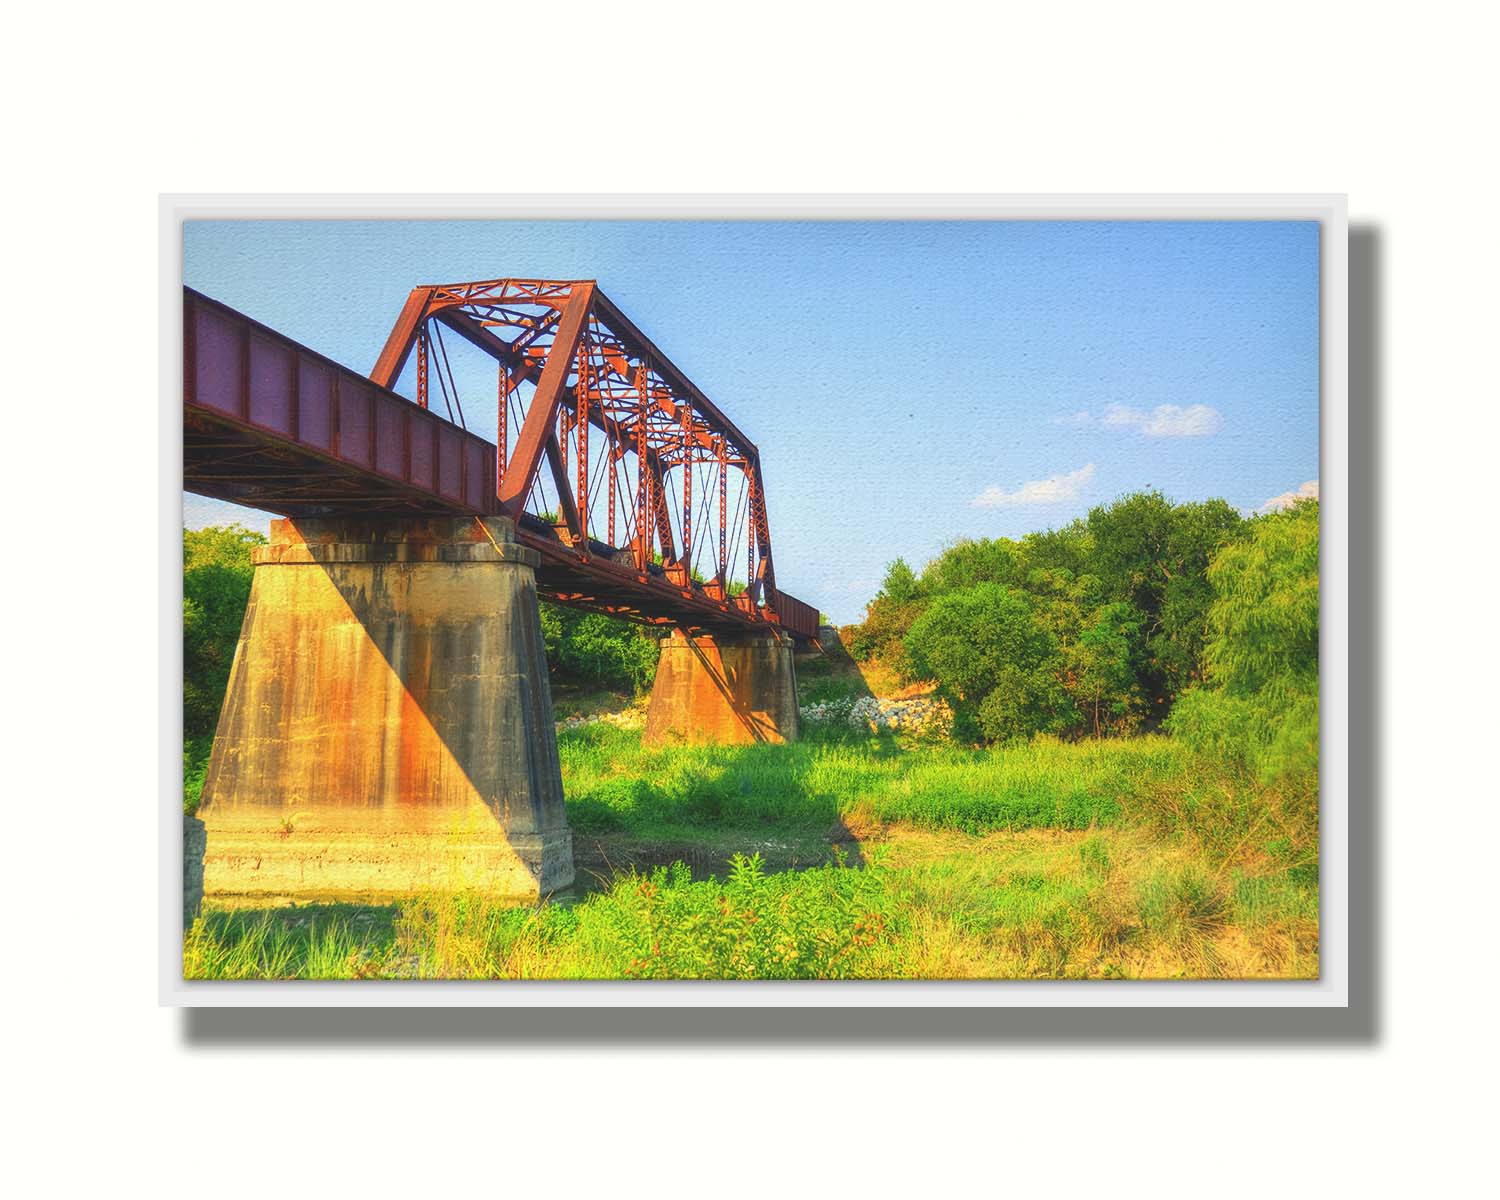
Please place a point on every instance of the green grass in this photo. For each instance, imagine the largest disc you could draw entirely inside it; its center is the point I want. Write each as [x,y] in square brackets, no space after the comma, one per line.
[823,923]
[824,678]
[1115,859]
[1110,904]
[616,785]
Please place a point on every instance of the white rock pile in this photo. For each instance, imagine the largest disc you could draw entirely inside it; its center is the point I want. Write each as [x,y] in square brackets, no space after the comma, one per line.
[630,718]
[911,715]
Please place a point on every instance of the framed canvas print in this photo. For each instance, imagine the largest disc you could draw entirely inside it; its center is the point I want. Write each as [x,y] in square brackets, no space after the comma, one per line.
[771,601]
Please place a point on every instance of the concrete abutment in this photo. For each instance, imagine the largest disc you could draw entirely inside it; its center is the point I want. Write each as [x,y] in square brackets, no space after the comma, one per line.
[388,727]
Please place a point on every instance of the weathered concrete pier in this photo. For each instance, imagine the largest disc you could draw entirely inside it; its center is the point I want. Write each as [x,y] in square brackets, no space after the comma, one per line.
[730,688]
[388,727]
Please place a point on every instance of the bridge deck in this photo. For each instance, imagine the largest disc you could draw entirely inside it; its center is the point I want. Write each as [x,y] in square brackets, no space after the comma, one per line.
[271,424]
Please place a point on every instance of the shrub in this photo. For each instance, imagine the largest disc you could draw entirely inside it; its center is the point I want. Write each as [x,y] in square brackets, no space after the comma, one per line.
[1185,908]
[998,668]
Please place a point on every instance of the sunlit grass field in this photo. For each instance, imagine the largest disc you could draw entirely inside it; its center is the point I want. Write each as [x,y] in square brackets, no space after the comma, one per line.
[613,783]
[1103,859]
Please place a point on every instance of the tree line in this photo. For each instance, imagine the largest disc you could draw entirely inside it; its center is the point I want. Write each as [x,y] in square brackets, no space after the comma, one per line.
[1145,614]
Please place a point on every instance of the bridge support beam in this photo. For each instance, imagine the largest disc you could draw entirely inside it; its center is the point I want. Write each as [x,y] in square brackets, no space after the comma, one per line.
[731,688]
[388,727]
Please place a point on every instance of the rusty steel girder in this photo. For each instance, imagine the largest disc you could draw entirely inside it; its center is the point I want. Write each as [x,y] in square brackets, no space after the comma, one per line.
[578,380]
[649,491]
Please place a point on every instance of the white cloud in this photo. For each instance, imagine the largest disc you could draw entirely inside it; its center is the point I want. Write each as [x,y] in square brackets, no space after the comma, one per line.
[1167,420]
[1308,491]
[1076,420]
[1059,489]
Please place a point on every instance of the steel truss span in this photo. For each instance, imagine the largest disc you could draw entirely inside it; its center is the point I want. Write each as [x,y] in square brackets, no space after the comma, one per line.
[642,497]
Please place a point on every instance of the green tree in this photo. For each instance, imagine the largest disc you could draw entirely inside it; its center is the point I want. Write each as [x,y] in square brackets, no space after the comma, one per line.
[1067,550]
[900,586]
[997,666]
[967,563]
[1259,702]
[1104,664]
[216,574]
[1263,622]
[888,616]
[595,648]
[1154,555]
[1123,595]
[1062,601]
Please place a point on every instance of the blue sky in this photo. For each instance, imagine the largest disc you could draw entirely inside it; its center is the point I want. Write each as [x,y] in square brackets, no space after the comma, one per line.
[908,383]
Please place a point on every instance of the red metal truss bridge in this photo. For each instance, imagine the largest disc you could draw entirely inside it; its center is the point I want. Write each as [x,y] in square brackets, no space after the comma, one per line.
[641,496]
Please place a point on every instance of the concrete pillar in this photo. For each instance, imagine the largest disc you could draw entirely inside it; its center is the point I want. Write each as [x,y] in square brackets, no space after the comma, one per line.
[732,688]
[193,845]
[388,727]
